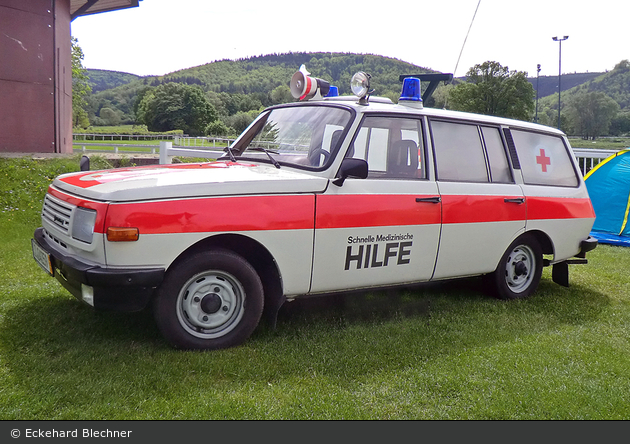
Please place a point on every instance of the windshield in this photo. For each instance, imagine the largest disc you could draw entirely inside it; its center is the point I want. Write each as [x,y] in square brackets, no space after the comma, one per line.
[303,136]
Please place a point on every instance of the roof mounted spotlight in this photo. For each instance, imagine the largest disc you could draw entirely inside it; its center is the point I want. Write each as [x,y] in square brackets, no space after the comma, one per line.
[360,85]
[304,87]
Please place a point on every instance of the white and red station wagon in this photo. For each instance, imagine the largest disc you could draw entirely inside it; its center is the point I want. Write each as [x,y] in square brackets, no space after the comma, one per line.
[328,194]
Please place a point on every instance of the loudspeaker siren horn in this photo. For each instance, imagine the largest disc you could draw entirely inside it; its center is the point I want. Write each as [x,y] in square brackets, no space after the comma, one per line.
[305,87]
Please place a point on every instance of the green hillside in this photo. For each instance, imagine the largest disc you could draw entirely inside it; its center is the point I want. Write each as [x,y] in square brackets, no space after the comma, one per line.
[248,85]
[101,79]
[239,89]
[614,84]
[548,85]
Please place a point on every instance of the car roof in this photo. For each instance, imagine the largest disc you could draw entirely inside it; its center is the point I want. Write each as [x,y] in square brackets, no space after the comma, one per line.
[385,105]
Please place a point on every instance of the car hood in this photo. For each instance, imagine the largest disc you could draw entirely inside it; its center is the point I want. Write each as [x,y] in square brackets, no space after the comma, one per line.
[188,180]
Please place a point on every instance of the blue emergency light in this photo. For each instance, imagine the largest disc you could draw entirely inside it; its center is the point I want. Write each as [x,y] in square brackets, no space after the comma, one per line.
[411,91]
[333,91]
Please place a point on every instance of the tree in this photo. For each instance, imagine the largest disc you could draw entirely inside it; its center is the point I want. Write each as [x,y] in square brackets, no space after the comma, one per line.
[240,120]
[110,117]
[80,86]
[620,125]
[591,113]
[173,106]
[492,89]
[218,128]
[281,94]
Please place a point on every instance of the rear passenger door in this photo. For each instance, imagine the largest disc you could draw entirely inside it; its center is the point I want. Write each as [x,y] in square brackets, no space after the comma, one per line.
[483,208]
[383,229]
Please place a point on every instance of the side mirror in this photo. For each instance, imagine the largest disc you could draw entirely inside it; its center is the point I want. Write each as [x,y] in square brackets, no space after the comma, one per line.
[357,168]
[84,164]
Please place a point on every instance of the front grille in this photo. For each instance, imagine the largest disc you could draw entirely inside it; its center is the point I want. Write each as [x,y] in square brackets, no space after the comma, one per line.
[57,212]
[55,239]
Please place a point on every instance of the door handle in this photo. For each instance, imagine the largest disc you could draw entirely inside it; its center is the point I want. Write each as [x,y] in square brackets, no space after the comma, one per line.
[517,200]
[434,200]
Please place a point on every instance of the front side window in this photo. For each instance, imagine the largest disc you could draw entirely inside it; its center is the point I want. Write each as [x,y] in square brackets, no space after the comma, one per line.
[392,146]
[303,136]
[544,159]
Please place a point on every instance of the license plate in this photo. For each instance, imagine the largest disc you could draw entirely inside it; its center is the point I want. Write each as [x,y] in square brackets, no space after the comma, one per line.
[41,257]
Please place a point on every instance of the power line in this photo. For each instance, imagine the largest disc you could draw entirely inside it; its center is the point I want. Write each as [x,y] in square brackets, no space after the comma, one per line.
[463,44]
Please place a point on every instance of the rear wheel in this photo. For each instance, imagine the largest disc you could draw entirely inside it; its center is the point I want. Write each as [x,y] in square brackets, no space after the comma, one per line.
[519,270]
[210,300]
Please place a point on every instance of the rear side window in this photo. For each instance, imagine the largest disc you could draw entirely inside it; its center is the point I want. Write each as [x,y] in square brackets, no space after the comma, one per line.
[499,168]
[459,152]
[544,159]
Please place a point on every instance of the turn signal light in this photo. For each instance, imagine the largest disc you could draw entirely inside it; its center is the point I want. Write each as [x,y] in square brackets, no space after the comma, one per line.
[119,234]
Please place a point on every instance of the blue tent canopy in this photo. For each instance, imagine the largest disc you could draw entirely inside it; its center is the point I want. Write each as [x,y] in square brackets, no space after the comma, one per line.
[608,186]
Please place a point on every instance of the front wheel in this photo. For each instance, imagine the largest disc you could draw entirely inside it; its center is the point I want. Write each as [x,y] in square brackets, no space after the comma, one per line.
[518,273]
[210,300]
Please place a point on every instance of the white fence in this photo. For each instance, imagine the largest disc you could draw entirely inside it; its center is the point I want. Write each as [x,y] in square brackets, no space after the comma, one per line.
[211,147]
[587,158]
[167,152]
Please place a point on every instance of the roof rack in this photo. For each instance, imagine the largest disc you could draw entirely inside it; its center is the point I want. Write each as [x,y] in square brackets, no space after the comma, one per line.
[434,80]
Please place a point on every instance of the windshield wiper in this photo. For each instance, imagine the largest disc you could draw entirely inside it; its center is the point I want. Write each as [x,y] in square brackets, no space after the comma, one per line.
[268,153]
[228,150]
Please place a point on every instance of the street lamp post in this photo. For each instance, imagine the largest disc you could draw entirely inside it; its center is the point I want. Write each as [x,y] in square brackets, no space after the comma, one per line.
[559,40]
[537,78]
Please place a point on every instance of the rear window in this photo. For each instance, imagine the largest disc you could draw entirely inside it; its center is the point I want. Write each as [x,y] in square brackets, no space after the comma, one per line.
[544,159]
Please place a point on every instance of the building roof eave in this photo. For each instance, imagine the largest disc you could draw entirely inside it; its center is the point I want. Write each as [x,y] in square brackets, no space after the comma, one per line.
[86,7]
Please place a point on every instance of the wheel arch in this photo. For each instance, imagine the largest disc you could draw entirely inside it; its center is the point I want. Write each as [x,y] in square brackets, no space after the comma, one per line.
[543,239]
[253,252]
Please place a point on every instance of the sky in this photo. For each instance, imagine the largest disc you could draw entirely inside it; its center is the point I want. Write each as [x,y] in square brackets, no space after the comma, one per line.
[163,36]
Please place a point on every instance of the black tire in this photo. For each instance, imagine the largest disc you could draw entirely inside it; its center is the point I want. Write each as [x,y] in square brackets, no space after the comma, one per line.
[210,300]
[518,274]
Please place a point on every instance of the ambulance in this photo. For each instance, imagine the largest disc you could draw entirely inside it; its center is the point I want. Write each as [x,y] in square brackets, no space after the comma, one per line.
[327,194]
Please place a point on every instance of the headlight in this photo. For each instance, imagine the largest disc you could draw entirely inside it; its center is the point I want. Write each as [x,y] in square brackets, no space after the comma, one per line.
[83,224]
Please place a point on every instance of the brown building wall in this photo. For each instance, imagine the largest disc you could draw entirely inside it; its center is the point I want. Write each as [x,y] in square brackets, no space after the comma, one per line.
[35,76]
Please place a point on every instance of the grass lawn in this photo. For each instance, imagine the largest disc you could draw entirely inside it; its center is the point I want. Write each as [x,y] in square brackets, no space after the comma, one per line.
[608,143]
[441,351]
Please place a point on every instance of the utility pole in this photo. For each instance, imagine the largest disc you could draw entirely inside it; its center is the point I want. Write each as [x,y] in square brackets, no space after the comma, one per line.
[559,40]
[537,78]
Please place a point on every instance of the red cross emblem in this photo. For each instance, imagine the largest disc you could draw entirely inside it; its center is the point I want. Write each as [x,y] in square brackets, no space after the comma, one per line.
[543,160]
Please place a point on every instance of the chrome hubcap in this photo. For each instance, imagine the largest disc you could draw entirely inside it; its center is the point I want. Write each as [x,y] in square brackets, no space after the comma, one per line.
[520,268]
[211,304]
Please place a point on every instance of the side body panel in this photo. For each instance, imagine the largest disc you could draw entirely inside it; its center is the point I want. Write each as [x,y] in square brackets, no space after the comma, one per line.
[564,214]
[283,224]
[479,222]
[375,232]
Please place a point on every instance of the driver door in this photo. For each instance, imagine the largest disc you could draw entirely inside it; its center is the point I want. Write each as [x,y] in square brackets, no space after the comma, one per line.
[384,229]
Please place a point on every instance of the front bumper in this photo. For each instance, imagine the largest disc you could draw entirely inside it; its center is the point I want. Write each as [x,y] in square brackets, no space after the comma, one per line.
[104,288]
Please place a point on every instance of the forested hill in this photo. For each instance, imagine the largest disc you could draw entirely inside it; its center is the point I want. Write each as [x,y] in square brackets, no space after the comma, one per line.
[246,86]
[101,79]
[615,84]
[548,85]
[264,73]
[250,84]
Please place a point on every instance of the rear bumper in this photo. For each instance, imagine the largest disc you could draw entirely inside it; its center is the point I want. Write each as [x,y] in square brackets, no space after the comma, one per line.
[104,288]
[560,271]
[588,244]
